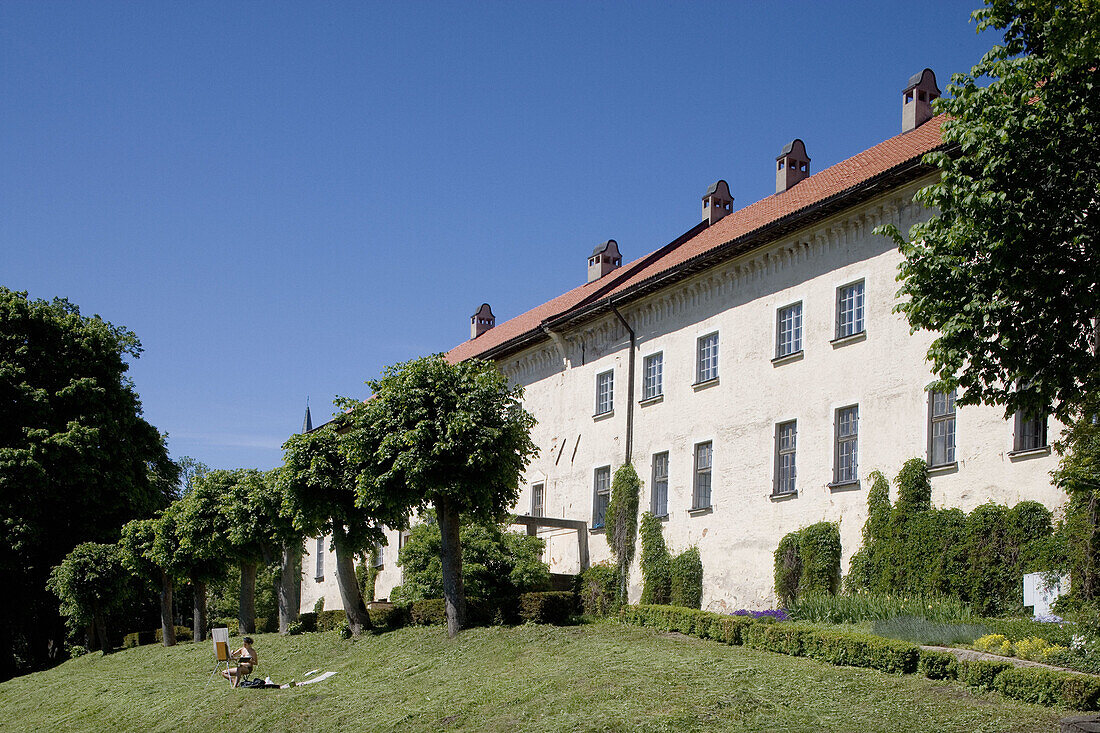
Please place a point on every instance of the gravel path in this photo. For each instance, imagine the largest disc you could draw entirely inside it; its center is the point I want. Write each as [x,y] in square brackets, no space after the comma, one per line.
[971,654]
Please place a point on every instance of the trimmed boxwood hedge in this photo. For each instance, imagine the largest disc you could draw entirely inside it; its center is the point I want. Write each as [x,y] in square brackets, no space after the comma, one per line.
[938,665]
[183,633]
[549,607]
[1048,687]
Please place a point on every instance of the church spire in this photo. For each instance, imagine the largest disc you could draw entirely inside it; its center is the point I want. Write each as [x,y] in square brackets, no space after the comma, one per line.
[307,424]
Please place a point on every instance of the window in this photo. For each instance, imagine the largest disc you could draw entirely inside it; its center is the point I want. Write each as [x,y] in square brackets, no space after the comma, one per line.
[785,439]
[849,310]
[601,487]
[538,496]
[941,428]
[703,459]
[378,557]
[659,499]
[788,330]
[605,392]
[652,372]
[847,439]
[319,554]
[1031,432]
[707,360]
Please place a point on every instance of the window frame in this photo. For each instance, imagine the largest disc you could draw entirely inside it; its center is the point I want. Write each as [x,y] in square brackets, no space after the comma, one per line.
[599,517]
[319,561]
[851,474]
[778,488]
[949,419]
[795,330]
[1042,438]
[610,407]
[657,358]
[698,474]
[711,374]
[657,481]
[538,499]
[861,310]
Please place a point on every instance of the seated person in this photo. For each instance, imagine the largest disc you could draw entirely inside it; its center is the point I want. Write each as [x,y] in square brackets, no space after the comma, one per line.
[246,662]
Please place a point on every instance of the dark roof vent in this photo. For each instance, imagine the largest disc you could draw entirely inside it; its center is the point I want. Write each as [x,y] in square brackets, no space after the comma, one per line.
[792,165]
[916,100]
[482,321]
[717,202]
[604,258]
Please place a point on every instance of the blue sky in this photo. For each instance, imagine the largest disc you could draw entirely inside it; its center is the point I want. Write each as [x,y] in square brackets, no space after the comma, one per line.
[281,199]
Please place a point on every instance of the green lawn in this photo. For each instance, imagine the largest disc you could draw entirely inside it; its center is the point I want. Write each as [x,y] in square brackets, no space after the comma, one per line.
[535,678]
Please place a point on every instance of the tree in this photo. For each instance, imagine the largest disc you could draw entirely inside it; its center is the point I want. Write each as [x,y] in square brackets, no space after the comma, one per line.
[201,530]
[92,582]
[622,523]
[150,548]
[496,563]
[1007,271]
[251,508]
[76,458]
[452,436]
[319,495]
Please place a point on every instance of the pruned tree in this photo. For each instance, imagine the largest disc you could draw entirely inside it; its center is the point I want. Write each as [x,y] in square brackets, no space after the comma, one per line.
[450,436]
[319,495]
[92,582]
[249,506]
[201,531]
[151,548]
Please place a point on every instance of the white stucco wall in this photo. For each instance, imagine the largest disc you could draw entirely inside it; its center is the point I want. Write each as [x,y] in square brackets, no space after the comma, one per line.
[884,374]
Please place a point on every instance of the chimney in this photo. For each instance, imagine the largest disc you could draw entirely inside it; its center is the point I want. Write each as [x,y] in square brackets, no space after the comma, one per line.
[916,100]
[717,202]
[604,258]
[482,321]
[792,165]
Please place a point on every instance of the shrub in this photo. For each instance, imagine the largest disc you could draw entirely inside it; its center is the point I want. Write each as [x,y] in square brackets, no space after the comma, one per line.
[495,563]
[139,638]
[294,628]
[389,617]
[550,607]
[981,674]
[788,569]
[782,638]
[656,563]
[599,589]
[330,620]
[308,621]
[76,650]
[704,624]
[994,644]
[344,629]
[183,633]
[479,612]
[860,650]
[430,612]
[687,579]
[1015,629]
[937,665]
[232,624]
[1033,649]
[819,551]
[622,523]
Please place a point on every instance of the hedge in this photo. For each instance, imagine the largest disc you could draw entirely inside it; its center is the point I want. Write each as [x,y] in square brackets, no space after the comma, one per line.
[550,607]
[1030,684]
[139,638]
[183,633]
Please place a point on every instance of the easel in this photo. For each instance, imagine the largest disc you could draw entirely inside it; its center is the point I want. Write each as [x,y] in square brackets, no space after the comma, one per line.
[220,637]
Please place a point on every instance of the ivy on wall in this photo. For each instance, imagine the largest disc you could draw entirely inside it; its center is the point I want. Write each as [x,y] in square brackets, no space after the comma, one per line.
[668,580]
[808,561]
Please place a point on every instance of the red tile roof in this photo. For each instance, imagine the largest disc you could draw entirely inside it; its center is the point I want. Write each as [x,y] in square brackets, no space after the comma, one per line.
[815,189]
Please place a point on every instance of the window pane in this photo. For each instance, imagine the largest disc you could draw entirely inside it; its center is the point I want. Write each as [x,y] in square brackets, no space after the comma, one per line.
[605,392]
[847,431]
[602,495]
[785,458]
[320,553]
[942,428]
[660,484]
[707,358]
[537,492]
[651,384]
[703,455]
[789,330]
[849,319]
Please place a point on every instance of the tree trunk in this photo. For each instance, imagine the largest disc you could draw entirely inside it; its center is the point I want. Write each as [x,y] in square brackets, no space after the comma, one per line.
[199,608]
[450,555]
[167,621]
[101,629]
[290,585]
[358,618]
[7,650]
[246,618]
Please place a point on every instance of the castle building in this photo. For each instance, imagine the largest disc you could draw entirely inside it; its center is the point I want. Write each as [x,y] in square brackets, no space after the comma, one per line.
[754,372]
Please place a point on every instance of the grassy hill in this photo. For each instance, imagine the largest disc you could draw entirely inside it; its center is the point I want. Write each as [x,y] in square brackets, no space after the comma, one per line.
[529,678]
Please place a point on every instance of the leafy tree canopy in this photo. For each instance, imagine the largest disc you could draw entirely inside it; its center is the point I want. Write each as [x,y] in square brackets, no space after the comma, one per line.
[76,458]
[1007,271]
[91,581]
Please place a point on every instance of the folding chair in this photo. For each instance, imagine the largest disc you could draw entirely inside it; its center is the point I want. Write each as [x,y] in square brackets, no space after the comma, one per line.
[221,648]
